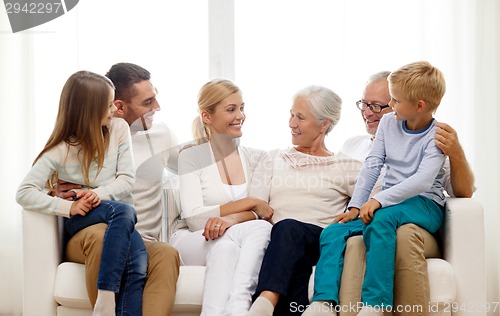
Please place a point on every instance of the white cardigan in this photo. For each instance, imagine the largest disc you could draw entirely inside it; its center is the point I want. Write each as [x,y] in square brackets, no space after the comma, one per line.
[201,188]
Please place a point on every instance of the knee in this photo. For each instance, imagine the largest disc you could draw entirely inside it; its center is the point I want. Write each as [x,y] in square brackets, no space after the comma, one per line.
[356,246]
[382,229]
[383,219]
[285,227]
[408,231]
[330,232]
[126,212]
[162,254]
[257,233]
[409,240]
[262,226]
[130,213]
[88,241]
[224,249]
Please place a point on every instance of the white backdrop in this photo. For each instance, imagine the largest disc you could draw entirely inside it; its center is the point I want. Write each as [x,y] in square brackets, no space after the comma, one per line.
[271,49]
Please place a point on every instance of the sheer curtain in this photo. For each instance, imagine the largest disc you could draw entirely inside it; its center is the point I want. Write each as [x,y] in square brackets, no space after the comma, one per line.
[339,44]
[485,136]
[271,49]
[168,38]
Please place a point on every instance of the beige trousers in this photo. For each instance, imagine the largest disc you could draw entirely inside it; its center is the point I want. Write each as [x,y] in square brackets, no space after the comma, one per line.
[163,269]
[411,280]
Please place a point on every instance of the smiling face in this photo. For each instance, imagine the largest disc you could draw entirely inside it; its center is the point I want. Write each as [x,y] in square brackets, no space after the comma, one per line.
[307,131]
[228,117]
[375,92]
[143,103]
[404,109]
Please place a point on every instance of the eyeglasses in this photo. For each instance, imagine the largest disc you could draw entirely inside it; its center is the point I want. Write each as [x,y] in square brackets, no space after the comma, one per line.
[375,108]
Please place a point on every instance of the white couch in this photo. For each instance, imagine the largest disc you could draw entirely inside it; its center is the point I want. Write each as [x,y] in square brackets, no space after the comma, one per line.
[53,287]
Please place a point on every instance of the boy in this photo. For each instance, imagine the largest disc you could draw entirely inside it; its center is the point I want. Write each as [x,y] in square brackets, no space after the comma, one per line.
[412,192]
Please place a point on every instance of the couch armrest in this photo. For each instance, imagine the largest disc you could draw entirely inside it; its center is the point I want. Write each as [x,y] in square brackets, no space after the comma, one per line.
[463,247]
[42,244]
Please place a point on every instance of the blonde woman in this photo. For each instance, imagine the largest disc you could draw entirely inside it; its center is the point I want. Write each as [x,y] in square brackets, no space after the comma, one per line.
[224,200]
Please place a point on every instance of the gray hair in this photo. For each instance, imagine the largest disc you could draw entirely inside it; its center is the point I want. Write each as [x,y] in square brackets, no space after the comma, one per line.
[378,76]
[325,104]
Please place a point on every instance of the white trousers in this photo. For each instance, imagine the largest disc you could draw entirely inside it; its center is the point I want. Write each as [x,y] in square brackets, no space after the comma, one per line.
[232,264]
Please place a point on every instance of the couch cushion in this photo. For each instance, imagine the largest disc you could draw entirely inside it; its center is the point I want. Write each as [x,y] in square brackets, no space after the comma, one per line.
[189,293]
[69,286]
[442,282]
[70,289]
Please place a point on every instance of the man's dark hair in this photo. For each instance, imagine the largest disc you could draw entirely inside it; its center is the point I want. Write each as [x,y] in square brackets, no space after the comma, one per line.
[124,76]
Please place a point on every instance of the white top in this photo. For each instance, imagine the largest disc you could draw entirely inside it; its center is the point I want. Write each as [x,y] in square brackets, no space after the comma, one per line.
[202,190]
[358,147]
[311,189]
[236,191]
[155,151]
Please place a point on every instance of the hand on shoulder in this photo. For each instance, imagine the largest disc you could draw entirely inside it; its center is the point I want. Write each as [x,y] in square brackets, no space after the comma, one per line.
[446,139]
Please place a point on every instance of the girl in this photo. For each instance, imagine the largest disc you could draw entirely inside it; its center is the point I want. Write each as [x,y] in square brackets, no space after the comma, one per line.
[90,147]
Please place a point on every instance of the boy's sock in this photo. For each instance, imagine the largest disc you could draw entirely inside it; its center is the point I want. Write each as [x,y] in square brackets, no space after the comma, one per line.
[261,307]
[105,304]
[320,308]
[368,310]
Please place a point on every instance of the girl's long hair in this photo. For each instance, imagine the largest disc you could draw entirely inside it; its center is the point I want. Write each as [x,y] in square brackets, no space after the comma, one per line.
[82,107]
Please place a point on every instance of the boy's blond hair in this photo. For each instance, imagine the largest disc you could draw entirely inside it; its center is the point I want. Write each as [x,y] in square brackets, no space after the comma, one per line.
[420,81]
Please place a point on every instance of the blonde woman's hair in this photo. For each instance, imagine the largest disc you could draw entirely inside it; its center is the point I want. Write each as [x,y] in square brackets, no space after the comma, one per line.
[210,95]
[325,104]
[83,103]
[420,81]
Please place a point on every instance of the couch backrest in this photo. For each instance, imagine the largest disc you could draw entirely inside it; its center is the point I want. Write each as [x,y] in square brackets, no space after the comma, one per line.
[172,213]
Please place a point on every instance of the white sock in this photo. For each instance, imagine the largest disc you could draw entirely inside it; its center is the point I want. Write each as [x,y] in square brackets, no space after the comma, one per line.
[320,308]
[105,304]
[261,307]
[368,310]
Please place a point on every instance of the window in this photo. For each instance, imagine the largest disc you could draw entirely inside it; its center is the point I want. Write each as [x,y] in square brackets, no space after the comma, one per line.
[169,38]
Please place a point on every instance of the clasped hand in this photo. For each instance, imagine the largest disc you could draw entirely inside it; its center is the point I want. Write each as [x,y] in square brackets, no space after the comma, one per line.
[263,210]
[86,200]
[215,227]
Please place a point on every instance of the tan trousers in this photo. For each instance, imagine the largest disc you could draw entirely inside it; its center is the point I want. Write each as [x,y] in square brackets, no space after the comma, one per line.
[163,269]
[411,280]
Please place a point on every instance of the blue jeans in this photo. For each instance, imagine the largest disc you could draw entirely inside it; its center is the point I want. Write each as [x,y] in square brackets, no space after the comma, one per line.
[124,258]
[380,241]
[287,264]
